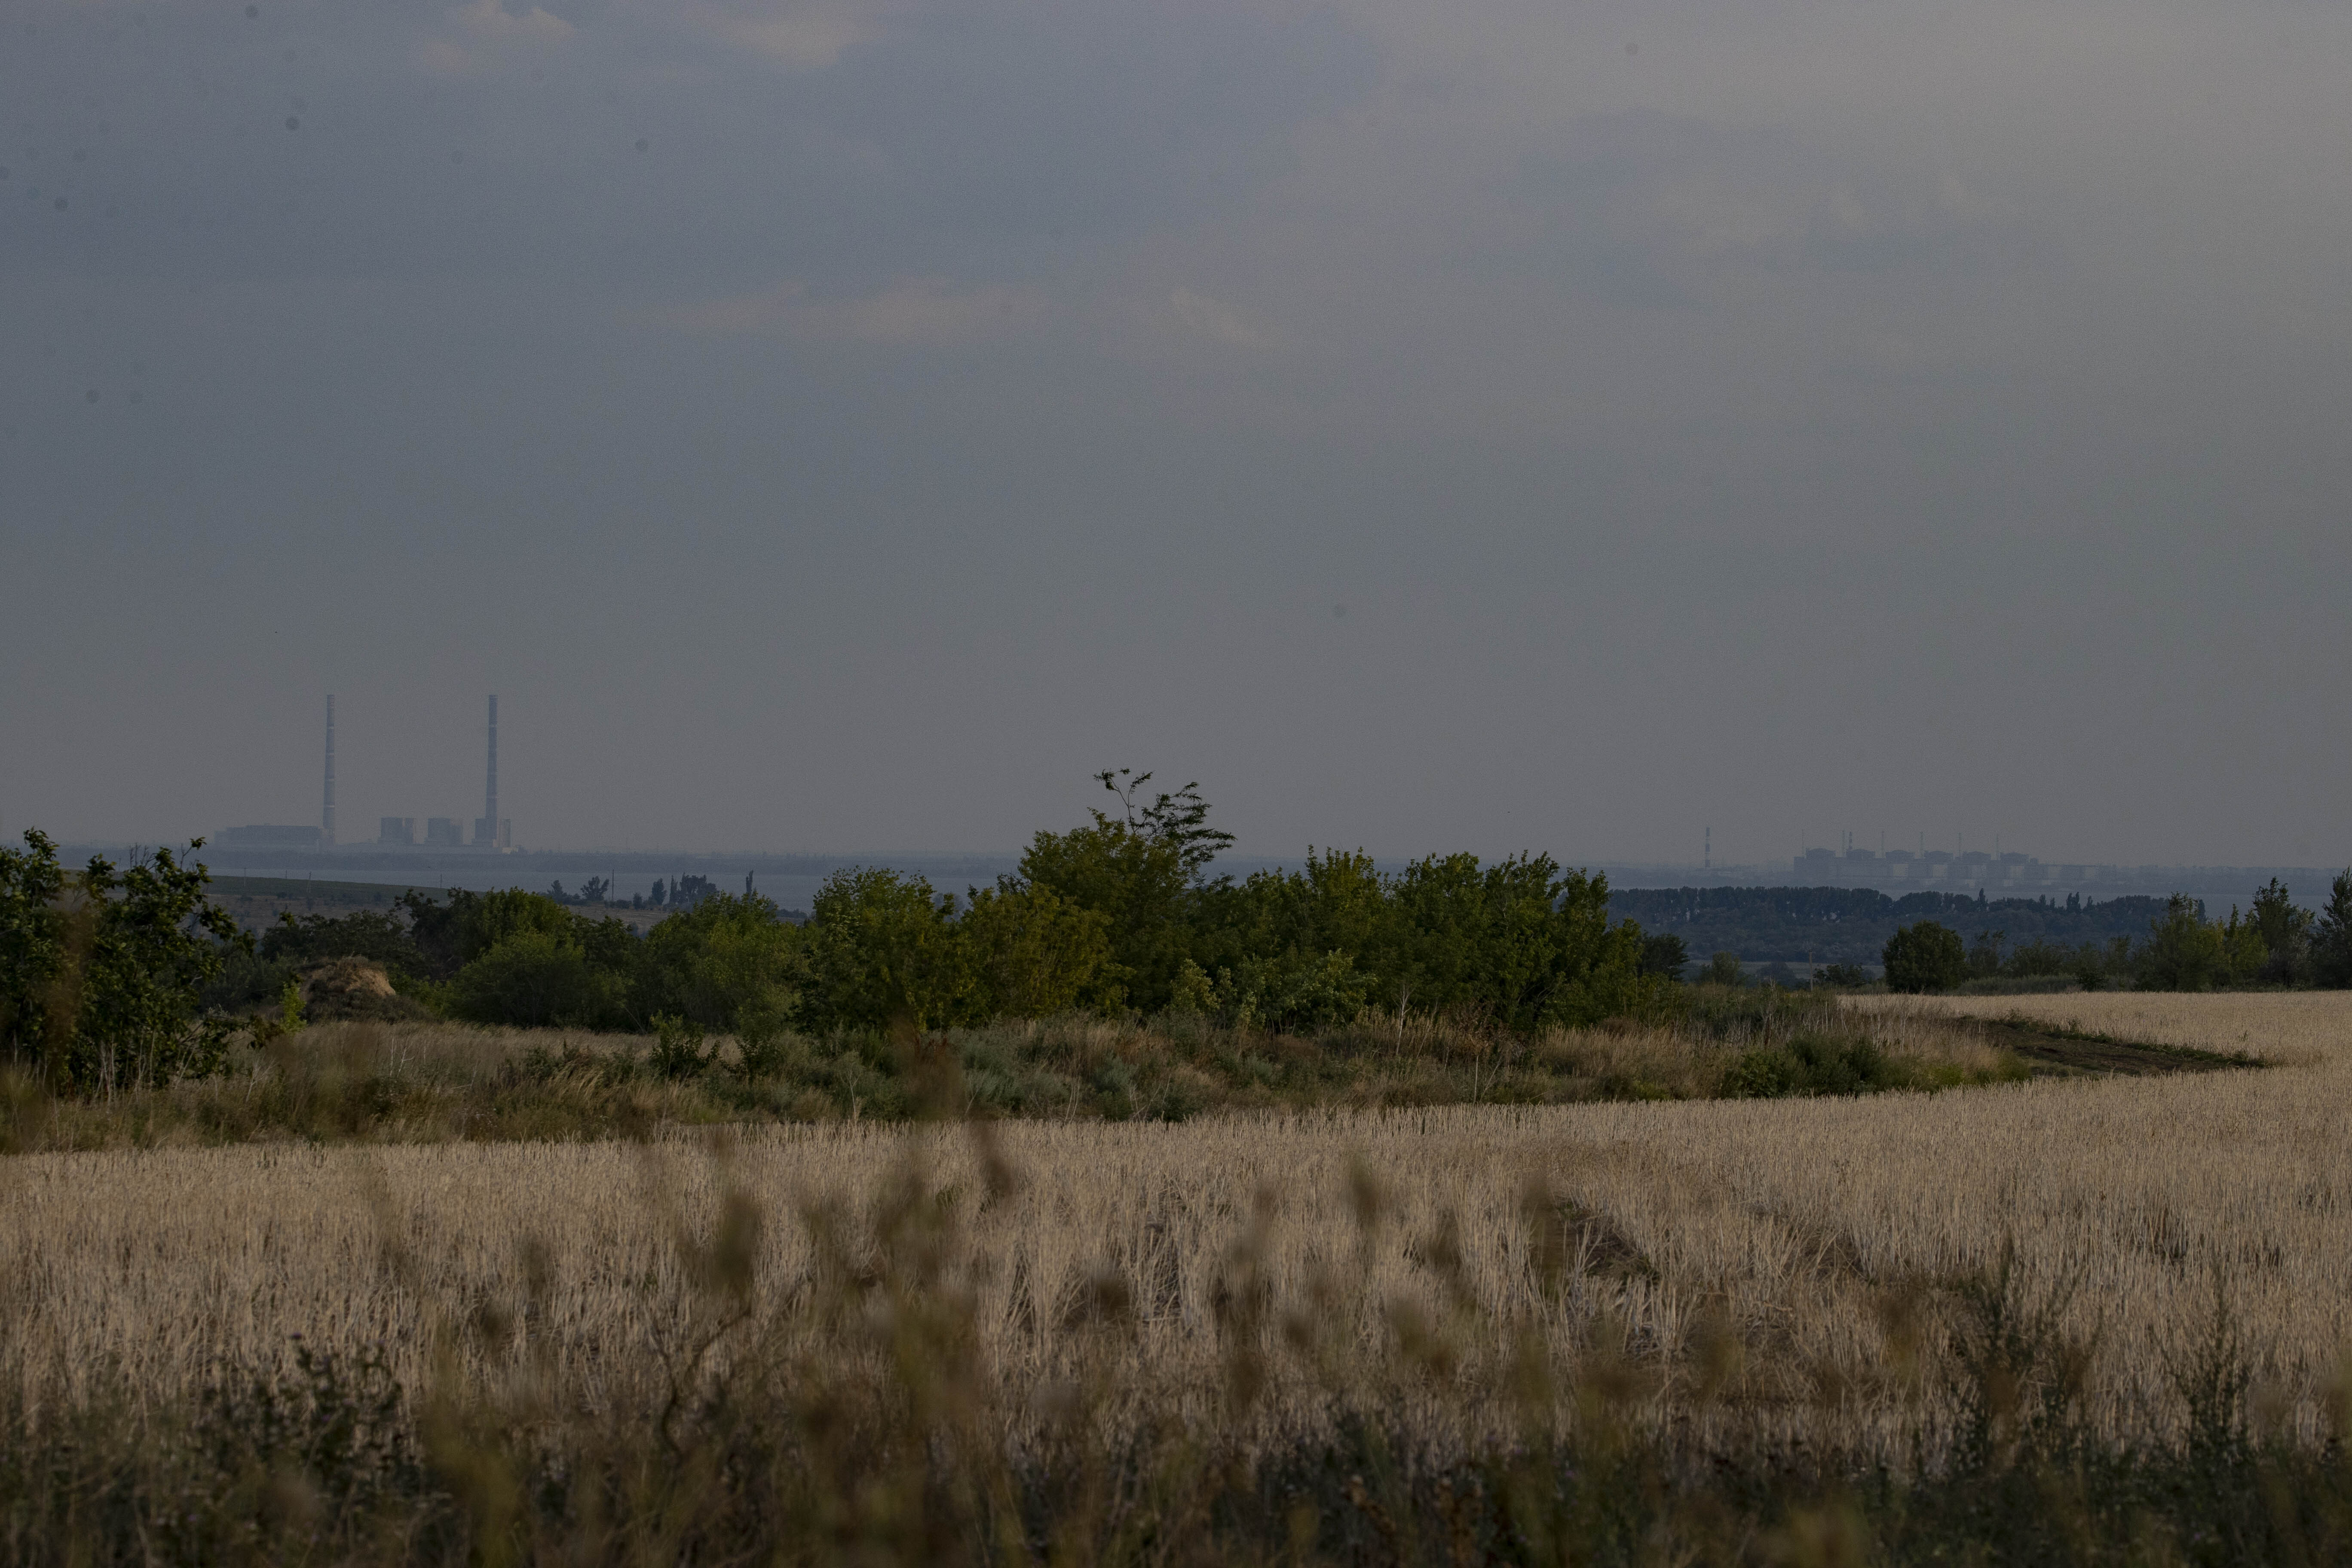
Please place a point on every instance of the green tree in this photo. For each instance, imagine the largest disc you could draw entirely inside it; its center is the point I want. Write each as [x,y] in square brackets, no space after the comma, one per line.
[2244,955]
[1143,871]
[32,945]
[2284,929]
[2331,937]
[1180,818]
[727,964]
[537,979]
[1723,969]
[1666,955]
[1295,990]
[1520,939]
[104,969]
[1923,957]
[882,948]
[452,932]
[377,935]
[2038,959]
[1031,954]
[2183,952]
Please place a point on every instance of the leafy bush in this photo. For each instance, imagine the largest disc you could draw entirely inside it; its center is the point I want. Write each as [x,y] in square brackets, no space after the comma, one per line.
[537,978]
[1925,957]
[2331,937]
[449,935]
[882,948]
[1665,955]
[103,972]
[246,980]
[381,937]
[2284,930]
[1141,883]
[680,1050]
[1813,1064]
[1032,953]
[727,962]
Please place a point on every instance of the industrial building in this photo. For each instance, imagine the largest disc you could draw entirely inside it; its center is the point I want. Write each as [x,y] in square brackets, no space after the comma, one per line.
[492,833]
[1900,870]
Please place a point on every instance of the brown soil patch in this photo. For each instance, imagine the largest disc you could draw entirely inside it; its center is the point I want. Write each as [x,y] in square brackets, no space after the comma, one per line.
[2060,1053]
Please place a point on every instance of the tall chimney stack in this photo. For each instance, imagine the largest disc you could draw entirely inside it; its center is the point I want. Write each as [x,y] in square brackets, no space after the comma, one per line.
[327,815]
[490,790]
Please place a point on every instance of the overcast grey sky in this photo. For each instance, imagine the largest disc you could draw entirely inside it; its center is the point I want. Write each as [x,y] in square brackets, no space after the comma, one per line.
[846,424]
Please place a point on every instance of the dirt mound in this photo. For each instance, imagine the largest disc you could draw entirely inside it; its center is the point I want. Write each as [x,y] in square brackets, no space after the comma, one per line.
[352,988]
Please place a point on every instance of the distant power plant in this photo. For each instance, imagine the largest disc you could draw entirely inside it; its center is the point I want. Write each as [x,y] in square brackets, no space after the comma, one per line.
[1929,870]
[487,828]
[327,815]
[491,831]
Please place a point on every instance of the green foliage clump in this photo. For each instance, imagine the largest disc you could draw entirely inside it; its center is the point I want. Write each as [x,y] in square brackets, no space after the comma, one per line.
[2284,930]
[1032,953]
[1925,957]
[102,971]
[882,947]
[726,962]
[2331,936]
[2182,952]
[1120,915]
[536,979]
[1665,955]
[1814,1065]
[380,936]
[1143,873]
[2186,952]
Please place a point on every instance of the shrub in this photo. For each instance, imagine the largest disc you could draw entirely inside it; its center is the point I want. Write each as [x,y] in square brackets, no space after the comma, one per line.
[379,936]
[679,1051]
[1811,1064]
[881,950]
[449,935]
[1032,953]
[534,979]
[2183,953]
[2331,937]
[103,972]
[728,963]
[2285,932]
[1925,957]
[1665,955]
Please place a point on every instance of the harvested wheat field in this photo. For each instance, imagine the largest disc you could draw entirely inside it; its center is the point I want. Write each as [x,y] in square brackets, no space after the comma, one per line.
[1744,1271]
[2299,1028]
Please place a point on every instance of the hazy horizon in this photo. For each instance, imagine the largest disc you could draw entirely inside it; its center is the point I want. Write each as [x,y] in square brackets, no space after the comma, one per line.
[855,422]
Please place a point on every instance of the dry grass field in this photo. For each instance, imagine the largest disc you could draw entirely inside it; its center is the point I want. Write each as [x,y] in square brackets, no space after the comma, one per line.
[428,1081]
[2301,1028]
[1787,1272]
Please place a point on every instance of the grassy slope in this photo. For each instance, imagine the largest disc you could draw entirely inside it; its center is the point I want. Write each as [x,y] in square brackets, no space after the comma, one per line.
[430,1082]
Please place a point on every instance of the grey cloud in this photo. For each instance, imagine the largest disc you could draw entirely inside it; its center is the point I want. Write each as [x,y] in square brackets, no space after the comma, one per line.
[604,143]
[1828,415]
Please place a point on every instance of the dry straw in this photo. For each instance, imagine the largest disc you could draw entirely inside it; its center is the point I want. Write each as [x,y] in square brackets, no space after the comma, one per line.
[1790,1259]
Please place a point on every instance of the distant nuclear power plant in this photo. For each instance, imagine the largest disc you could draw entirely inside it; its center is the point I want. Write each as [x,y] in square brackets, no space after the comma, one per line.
[491,832]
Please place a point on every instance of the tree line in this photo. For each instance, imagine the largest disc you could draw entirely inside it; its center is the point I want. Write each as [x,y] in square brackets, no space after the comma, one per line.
[2276,943]
[115,977]
[1801,926]
[1119,915]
